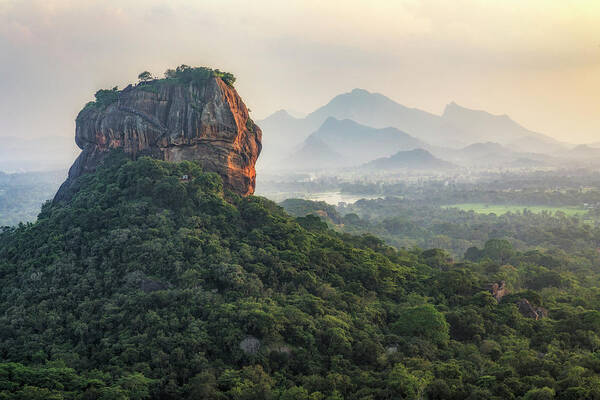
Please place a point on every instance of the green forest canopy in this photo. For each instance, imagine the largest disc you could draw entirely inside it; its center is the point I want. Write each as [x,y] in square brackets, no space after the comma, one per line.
[149,286]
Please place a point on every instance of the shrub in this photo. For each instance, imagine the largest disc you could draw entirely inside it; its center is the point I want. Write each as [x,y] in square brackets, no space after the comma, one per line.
[423,321]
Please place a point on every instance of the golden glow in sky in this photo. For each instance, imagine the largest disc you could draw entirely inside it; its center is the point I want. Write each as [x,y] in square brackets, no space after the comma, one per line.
[536,60]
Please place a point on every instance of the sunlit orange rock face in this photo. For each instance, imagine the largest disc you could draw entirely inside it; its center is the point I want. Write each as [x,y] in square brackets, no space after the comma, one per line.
[207,122]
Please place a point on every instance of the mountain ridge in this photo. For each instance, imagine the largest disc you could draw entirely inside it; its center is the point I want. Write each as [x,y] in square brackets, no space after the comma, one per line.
[455,128]
[357,144]
[417,159]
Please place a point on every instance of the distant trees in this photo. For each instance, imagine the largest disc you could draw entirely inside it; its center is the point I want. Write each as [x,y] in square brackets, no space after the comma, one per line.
[170,73]
[498,250]
[186,74]
[104,98]
[183,73]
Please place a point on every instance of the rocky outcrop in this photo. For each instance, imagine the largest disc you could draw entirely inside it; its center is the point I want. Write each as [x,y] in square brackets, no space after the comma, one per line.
[250,345]
[171,120]
[528,310]
[498,290]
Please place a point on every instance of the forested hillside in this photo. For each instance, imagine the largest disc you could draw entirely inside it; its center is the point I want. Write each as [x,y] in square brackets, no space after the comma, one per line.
[154,283]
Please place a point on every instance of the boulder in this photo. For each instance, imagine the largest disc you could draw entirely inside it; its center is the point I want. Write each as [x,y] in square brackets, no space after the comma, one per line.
[250,345]
[498,290]
[528,310]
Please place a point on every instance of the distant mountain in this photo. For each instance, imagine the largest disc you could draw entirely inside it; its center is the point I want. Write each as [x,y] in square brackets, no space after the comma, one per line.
[296,113]
[492,155]
[486,149]
[584,151]
[488,154]
[581,156]
[315,154]
[595,145]
[417,159]
[456,128]
[282,133]
[379,111]
[524,162]
[347,143]
[480,126]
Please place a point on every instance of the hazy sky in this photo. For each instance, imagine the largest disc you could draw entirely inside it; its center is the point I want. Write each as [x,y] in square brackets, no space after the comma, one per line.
[536,60]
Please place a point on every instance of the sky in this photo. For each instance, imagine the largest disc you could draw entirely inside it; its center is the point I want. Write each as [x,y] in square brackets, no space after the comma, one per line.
[535,60]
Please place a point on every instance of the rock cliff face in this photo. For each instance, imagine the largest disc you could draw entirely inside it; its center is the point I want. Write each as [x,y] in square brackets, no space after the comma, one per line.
[170,120]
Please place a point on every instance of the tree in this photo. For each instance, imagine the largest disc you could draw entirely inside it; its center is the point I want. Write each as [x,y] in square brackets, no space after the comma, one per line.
[466,323]
[424,321]
[499,250]
[544,393]
[104,97]
[202,386]
[145,77]
[404,385]
[136,385]
[294,393]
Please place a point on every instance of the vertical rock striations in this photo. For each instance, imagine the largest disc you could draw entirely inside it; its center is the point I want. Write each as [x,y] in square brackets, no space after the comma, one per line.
[173,120]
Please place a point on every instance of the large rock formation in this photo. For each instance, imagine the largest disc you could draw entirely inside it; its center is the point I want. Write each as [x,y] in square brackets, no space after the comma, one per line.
[173,120]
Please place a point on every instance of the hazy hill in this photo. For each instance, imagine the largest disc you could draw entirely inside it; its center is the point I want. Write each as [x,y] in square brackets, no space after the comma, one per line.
[417,159]
[486,149]
[457,127]
[355,144]
[282,133]
[584,151]
[595,145]
[379,111]
[314,154]
[582,156]
[492,155]
[481,126]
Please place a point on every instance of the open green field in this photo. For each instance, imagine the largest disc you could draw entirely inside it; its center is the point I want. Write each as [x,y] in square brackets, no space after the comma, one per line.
[500,209]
